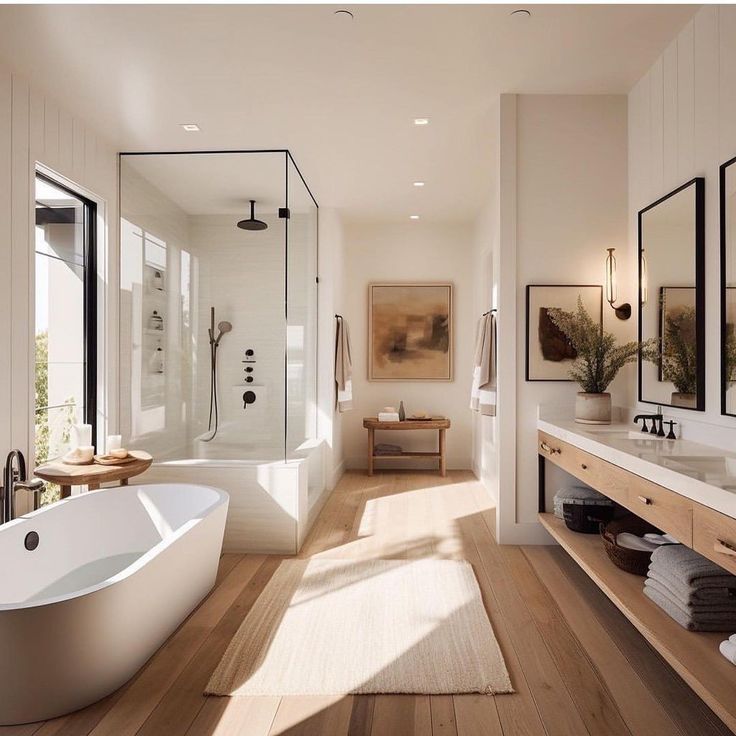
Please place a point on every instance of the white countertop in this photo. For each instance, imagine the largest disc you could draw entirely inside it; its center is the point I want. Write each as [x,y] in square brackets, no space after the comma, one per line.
[699,472]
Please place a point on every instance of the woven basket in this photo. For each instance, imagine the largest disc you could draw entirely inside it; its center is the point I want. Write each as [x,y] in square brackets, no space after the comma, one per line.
[634,561]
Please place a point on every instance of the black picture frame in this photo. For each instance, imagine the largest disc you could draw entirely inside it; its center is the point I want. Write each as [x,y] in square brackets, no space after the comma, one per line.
[529,288]
[699,183]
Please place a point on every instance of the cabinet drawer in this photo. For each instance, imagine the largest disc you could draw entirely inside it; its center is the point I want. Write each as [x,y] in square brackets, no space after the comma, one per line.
[714,537]
[664,508]
[588,468]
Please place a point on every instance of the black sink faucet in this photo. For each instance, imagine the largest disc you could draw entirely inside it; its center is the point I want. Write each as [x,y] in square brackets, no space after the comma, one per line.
[656,430]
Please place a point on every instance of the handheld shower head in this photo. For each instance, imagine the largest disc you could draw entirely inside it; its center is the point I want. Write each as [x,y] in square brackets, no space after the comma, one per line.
[222,328]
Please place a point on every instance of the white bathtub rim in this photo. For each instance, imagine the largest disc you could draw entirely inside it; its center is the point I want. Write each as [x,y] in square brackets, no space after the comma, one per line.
[207,462]
[138,564]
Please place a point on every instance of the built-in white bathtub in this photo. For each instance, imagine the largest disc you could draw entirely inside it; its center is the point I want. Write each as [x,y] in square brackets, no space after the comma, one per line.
[113,574]
[272,502]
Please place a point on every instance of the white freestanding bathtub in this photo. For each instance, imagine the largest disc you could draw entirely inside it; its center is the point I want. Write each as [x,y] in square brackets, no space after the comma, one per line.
[113,574]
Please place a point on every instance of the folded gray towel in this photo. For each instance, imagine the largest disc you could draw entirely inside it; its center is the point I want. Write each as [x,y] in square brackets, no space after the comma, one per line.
[682,563]
[712,590]
[682,618]
[692,608]
[386,449]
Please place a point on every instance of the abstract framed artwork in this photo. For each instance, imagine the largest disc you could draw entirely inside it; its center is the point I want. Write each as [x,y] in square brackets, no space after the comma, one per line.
[548,352]
[410,332]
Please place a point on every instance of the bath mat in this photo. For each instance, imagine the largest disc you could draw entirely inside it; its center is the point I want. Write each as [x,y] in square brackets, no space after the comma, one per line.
[334,627]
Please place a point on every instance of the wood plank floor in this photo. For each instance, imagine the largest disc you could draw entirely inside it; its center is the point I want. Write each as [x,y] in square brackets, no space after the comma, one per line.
[578,667]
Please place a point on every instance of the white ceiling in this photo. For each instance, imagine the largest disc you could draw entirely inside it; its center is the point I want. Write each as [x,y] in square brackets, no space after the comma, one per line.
[340,94]
[222,183]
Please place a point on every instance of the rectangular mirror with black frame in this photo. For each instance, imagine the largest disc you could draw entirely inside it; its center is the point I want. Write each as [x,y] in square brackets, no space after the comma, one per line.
[728,287]
[672,298]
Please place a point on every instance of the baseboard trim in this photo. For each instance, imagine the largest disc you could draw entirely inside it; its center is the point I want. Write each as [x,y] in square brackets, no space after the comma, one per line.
[361,463]
[337,472]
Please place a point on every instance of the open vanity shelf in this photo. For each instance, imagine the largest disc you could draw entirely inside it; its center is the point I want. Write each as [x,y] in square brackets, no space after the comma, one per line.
[693,655]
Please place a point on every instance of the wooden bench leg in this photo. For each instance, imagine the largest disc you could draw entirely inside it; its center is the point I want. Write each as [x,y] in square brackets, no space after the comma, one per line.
[370,451]
[66,491]
[443,460]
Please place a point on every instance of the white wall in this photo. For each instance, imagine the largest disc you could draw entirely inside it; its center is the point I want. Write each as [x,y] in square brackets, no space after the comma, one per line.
[411,251]
[485,428]
[682,124]
[562,195]
[34,128]
[331,302]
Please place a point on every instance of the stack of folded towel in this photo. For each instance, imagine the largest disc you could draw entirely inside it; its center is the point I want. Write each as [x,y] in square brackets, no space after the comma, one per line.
[695,592]
[388,416]
[386,449]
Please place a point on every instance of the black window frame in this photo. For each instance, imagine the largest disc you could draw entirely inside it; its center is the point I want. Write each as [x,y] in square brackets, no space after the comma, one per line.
[89,287]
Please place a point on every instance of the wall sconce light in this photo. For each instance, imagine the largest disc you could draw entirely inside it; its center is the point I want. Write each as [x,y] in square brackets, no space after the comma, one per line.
[644,279]
[623,311]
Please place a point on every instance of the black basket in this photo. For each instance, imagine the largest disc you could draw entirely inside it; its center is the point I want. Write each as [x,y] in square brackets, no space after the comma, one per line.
[586,518]
[635,561]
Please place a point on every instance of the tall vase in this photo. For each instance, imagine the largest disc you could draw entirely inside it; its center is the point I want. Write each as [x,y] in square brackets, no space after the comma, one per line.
[593,408]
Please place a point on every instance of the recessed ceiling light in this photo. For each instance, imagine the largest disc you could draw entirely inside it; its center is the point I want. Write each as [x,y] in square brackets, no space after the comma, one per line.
[418,183]
[421,121]
[190,127]
[344,14]
[520,13]
[413,217]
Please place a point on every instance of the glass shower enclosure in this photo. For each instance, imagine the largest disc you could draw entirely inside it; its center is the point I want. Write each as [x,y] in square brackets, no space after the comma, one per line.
[218,307]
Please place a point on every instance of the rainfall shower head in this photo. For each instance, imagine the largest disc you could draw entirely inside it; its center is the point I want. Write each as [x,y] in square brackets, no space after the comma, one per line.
[251,223]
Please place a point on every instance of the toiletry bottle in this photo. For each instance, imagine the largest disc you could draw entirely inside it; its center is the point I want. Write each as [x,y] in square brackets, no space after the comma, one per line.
[402,412]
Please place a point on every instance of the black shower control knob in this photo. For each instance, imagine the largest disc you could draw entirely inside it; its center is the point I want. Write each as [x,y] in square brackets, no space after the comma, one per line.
[249,397]
[249,369]
[249,352]
[249,379]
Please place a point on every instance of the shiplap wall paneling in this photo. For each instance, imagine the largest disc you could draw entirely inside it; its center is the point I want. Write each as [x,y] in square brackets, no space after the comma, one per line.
[727,79]
[669,116]
[5,259]
[22,281]
[685,103]
[34,129]
[683,111]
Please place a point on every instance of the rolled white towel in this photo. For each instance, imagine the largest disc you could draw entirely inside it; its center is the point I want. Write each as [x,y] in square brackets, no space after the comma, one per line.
[732,639]
[660,538]
[728,650]
[631,541]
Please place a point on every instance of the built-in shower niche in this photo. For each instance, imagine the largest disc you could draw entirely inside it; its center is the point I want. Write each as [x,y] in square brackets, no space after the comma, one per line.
[197,254]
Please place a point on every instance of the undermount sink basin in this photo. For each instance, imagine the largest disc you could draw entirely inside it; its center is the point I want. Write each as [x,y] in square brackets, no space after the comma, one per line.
[624,434]
[720,466]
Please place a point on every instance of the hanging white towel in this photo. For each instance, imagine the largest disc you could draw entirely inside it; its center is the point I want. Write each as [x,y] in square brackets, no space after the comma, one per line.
[483,392]
[343,367]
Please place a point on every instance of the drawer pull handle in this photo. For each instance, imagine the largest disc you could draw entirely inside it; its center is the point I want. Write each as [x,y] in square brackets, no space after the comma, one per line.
[583,466]
[646,501]
[549,450]
[725,548]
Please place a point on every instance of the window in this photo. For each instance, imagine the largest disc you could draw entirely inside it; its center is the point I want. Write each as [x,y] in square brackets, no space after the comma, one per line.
[66,325]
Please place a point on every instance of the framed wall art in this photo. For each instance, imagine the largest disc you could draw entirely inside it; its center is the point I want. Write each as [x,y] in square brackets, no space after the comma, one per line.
[548,352]
[410,332]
